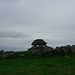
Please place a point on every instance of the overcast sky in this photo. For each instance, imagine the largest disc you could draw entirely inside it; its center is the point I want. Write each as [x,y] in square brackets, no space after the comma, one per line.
[22,21]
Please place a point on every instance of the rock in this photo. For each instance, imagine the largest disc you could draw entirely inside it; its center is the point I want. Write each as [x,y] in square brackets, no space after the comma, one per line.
[73,49]
[8,55]
[12,55]
[73,52]
[5,55]
[48,51]
[1,56]
[57,50]
[64,50]
[68,49]
[21,55]
[36,52]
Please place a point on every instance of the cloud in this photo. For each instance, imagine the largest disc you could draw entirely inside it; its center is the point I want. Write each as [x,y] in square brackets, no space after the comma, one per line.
[13,35]
[12,48]
[15,44]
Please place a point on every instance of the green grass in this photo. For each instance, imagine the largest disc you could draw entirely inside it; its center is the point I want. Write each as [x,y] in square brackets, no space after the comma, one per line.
[59,65]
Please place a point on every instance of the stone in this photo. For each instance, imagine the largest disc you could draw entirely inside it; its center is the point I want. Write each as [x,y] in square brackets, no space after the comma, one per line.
[65,50]
[21,55]
[73,49]
[1,56]
[5,55]
[12,55]
[36,52]
[48,50]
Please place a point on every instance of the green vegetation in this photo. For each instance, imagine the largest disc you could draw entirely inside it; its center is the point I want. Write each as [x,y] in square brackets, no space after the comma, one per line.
[40,59]
[55,65]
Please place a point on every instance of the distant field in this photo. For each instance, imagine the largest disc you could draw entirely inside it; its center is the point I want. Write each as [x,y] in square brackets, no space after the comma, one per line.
[59,65]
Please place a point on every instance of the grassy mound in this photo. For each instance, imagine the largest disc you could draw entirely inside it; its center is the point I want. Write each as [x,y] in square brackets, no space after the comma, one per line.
[55,65]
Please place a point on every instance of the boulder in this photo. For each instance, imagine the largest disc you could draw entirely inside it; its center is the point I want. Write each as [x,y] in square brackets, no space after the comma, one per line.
[21,55]
[68,49]
[48,51]
[73,49]
[12,55]
[5,55]
[1,56]
[64,50]
[36,52]
[57,50]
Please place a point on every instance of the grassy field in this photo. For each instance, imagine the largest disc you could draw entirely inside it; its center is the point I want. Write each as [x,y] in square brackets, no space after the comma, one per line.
[57,65]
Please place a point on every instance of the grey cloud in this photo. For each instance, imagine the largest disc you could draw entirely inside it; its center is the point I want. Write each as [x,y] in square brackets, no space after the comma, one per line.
[33,12]
[13,35]
[12,48]
[15,44]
